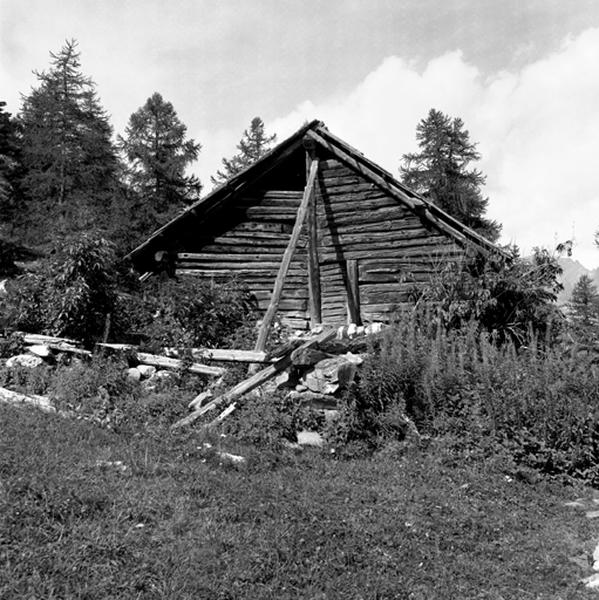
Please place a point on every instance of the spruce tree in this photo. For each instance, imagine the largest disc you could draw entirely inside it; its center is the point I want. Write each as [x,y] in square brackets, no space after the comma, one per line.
[253,145]
[584,309]
[157,155]
[10,170]
[69,159]
[441,171]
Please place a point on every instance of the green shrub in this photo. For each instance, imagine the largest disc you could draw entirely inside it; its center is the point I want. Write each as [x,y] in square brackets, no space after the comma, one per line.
[535,400]
[11,345]
[26,380]
[508,299]
[70,296]
[100,392]
[188,312]
[268,420]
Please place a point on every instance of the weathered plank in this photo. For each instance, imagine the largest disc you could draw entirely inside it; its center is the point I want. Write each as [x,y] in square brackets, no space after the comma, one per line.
[263,227]
[418,250]
[353,292]
[174,363]
[284,304]
[400,276]
[269,213]
[385,238]
[223,355]
[41,402]
[256,380]
[314,287]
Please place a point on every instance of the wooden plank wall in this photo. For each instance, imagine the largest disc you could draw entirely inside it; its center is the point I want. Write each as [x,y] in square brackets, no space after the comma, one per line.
[250,246]
[395,252]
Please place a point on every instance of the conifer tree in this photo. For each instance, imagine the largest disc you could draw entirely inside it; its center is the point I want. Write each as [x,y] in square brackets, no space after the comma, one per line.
[584,309]
[10,169]
[441,171]
[69,159]
[157,154]
[253,145]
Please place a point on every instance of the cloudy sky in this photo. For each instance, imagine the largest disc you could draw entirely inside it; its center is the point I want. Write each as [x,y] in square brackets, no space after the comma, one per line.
[522,74]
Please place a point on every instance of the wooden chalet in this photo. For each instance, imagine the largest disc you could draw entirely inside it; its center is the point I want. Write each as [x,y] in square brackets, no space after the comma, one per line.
[319,233]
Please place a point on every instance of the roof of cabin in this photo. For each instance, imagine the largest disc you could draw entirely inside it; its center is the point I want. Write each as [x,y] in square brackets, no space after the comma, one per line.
[318,133]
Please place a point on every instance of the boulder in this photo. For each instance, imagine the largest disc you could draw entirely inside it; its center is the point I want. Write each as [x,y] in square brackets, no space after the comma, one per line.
[28,361]
[146,371]
[163,375]
[310,438]
[134,374]
[40,350]
[318,384]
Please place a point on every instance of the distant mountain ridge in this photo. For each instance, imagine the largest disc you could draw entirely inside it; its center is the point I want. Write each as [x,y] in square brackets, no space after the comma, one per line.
[573,270]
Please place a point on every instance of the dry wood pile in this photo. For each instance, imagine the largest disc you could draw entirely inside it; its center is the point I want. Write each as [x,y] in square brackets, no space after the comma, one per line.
[315,368]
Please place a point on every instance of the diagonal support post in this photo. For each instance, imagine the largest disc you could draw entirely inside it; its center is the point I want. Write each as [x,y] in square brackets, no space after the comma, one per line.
[275,297]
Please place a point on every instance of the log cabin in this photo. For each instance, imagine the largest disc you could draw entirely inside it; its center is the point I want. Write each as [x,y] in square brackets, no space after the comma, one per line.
[318,232]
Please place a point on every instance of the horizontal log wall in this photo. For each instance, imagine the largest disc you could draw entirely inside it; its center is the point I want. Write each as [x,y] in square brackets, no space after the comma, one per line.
[250,242]
[397,252]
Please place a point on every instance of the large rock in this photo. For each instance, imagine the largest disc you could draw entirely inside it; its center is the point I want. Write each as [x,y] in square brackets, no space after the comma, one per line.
[40,350]
[331,374]
[134,374]
[310,438]
[28,361]
[146,371]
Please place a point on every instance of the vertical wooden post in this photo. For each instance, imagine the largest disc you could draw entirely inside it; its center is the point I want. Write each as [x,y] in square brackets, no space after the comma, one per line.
[314,290]
[275,297]
[353,292]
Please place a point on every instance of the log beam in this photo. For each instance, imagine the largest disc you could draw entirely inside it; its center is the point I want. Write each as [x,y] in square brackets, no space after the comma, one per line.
[314,287]
[353,292]
[286,261]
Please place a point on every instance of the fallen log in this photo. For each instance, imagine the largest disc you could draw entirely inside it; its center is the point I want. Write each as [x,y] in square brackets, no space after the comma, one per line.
[68,348]
[164,362]
[223,354]
[175,363]
[40,402]
[37,338]
[251,383]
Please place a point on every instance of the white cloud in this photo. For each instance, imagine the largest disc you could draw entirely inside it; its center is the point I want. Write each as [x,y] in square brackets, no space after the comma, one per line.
[537,128]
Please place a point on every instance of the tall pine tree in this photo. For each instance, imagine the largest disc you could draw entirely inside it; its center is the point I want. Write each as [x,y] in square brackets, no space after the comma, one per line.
[253,145]
[441,171]
[10,170]
[584,307]
[157,154]
[69,159]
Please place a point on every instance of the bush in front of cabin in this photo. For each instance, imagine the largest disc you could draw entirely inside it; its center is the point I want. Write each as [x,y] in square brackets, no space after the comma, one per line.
[508,298]
[188,312]
[538,402]
[70,295]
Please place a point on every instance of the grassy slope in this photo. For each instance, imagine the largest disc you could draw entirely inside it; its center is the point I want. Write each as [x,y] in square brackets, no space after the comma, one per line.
[418,526]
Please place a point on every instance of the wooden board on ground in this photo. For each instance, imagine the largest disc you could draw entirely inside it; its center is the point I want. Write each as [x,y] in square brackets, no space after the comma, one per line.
[251,383]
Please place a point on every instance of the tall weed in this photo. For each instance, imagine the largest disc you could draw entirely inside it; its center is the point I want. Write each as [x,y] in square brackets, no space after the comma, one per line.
[538,401]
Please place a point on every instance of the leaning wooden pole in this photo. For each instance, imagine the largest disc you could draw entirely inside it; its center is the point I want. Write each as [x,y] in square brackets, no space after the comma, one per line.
[284,267]
[314,288]
[256,380]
